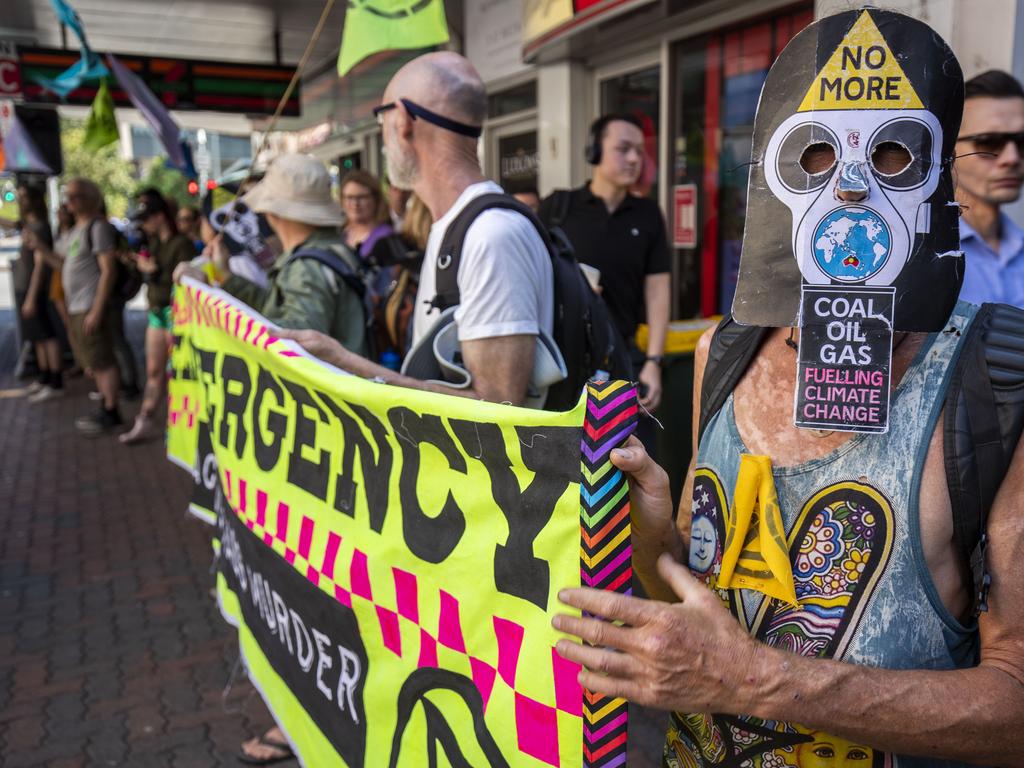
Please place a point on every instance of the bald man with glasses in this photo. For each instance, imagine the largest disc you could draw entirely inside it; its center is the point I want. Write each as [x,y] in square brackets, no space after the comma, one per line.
[431,117]
[989,174]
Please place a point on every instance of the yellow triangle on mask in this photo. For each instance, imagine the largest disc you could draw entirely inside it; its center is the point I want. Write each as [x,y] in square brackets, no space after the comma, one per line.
[756,554]
[862,73]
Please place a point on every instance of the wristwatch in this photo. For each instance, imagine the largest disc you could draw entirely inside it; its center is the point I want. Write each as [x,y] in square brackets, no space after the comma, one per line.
[655,359]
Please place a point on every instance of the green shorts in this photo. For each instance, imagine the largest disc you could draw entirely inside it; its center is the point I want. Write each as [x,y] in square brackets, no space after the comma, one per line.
[160,318]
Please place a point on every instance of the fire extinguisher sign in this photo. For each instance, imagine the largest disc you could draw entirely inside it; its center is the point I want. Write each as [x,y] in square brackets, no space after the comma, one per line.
[684,205]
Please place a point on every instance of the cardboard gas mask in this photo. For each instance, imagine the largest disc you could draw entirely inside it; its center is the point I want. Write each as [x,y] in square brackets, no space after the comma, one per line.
[851,229]
[864,105]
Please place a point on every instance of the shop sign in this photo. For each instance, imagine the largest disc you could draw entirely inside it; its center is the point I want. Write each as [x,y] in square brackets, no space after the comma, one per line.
[493,35]
[684,206]
[545,21]
[10,71]
[518,161]
[540,16]
[179,84]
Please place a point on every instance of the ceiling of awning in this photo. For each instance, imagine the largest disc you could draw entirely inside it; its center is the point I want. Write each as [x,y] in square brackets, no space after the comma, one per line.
[229,30]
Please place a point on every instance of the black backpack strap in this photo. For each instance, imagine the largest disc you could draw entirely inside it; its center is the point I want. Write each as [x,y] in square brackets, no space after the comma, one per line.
[560,201]
[449,255]
[336,263]
[984,415]
[733,347]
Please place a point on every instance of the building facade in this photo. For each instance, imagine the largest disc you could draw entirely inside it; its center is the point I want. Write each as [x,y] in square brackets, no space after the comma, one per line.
[691,70]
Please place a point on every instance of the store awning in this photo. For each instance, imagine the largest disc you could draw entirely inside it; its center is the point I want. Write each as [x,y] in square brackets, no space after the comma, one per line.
[259,31]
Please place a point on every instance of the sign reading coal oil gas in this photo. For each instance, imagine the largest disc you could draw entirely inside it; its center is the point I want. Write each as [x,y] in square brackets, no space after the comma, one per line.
[845,354]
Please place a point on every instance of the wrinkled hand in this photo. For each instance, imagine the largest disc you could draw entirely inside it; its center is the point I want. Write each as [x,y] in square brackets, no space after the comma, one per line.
[184,269]
[28,309]
[650,375]
[322,346]
[690,656]
[650,496]
[92,321]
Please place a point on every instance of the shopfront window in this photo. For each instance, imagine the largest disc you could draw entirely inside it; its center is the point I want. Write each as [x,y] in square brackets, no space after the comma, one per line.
[517,162]
[518,98]
[638,94]
[716,86]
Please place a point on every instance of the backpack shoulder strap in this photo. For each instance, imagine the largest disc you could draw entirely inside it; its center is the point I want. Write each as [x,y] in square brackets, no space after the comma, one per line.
[86,243]
[449,255]
[560,201]
[984,416]
[733,347]
[336,263]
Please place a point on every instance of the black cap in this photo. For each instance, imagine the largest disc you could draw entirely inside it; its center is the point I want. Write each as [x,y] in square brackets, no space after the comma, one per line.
[149,202]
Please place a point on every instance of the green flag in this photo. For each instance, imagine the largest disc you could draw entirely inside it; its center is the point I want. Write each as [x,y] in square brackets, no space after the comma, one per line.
[101,127]
[383,25]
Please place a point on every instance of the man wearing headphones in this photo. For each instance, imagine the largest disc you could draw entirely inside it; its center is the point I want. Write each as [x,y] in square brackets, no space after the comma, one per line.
[622,236]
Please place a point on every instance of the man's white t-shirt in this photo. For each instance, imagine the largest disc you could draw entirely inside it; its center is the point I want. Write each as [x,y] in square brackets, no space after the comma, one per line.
[505,277]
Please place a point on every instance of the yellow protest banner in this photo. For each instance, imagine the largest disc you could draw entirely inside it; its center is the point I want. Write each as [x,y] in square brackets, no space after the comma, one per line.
[391,558]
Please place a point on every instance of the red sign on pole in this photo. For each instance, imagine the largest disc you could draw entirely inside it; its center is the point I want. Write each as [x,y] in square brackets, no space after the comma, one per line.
[684,216]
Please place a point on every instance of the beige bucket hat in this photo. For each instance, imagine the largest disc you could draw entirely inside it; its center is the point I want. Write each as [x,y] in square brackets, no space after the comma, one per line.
[298,188]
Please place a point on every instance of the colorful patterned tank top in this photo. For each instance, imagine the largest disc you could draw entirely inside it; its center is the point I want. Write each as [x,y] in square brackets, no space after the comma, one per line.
[864,590]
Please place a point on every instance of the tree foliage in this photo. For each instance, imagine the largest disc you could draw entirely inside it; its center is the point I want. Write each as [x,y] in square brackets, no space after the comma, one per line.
[114,175]
[172,183]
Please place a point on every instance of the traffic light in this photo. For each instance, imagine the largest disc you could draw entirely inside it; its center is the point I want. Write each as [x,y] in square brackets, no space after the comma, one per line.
[211,185]
[193,187]
[9,196]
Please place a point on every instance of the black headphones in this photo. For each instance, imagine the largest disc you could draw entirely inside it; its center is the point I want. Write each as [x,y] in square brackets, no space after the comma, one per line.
[592,152]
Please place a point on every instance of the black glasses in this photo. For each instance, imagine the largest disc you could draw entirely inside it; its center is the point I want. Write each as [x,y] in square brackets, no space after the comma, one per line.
[415,110]
[995,143]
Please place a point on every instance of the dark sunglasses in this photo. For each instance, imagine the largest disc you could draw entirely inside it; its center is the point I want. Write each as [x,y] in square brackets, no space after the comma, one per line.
[995,143]
[414,109]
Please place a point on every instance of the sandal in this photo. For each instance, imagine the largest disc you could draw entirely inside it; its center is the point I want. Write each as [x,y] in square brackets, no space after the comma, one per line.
[263,740]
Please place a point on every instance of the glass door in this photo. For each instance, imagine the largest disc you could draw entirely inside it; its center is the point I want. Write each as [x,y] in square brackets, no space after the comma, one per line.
[717,82]
[512,157]
[638,93]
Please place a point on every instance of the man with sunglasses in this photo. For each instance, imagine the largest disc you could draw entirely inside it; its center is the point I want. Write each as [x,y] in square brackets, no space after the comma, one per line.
[989,174]
[430,117]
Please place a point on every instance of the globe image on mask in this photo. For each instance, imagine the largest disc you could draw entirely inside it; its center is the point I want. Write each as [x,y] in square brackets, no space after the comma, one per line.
[852,244]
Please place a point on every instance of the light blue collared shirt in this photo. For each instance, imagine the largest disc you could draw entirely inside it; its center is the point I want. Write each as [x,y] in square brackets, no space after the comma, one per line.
[990,276]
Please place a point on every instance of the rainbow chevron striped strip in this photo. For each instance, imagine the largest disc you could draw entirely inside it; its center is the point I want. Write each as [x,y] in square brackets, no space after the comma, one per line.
[605,548]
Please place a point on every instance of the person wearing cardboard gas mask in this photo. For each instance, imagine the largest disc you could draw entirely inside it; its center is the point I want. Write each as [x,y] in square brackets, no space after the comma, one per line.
[853,588]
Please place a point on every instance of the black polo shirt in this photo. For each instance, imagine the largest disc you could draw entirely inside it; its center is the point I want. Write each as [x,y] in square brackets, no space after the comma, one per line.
[626,245]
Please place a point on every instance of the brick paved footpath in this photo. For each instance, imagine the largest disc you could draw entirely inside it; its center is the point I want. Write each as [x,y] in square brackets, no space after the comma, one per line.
[112,651]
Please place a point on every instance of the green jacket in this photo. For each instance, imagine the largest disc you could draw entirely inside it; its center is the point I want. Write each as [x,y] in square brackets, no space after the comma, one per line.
[306,294]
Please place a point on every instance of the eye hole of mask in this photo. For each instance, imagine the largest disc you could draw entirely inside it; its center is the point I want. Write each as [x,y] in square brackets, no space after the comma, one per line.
[818,158]
[890,158]
[901,153]
[806,157]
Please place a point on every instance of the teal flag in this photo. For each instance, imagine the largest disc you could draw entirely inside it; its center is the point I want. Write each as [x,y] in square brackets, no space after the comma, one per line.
[372,26]
[101,127]
[88,67]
